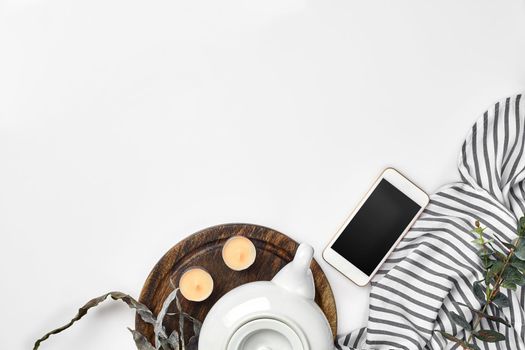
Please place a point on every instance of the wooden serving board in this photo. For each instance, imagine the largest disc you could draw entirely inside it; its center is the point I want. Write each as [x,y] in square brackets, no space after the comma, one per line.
[274,250]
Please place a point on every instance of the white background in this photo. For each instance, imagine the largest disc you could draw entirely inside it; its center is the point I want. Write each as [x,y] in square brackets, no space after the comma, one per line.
[127,125]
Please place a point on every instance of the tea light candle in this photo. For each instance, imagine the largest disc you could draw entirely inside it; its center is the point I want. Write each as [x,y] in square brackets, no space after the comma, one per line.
[238,253]
[196,284]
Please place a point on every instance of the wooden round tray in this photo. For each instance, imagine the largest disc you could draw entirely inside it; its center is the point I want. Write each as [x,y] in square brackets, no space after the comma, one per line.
[274,250]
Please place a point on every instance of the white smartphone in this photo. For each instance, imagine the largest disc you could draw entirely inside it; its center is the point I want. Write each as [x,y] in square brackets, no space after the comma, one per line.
[375,227]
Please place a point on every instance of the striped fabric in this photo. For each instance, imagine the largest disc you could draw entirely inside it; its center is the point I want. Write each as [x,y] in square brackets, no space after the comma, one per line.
[412,296]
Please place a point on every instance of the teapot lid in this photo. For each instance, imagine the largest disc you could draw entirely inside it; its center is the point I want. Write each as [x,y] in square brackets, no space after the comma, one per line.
[266,334]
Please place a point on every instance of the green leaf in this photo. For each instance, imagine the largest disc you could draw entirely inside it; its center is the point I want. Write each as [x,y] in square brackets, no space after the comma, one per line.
[489,336]
[487,316]
[513,275]
[496,268]
[494,318]
[450,337]
[508,285]
[487,263]
[521,226]
[520,252]
[482,242]
[460,321]
[482,253]
[478,241]
[517,263]
[479,292]
[462,343]
[501,300]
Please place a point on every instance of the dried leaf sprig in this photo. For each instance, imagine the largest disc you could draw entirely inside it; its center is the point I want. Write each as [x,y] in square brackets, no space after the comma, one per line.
[175,341]
[501,270]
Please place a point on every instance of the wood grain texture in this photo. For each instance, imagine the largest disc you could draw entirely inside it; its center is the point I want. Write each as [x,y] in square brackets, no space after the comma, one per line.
[274,250]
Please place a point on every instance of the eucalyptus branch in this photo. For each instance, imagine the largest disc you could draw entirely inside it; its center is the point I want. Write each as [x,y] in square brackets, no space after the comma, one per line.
[501,270]
[492,294]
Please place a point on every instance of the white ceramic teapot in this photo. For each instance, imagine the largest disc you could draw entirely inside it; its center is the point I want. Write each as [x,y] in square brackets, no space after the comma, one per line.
[270,315]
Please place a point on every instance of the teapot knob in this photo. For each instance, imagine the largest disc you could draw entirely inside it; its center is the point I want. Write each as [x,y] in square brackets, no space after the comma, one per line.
[296,277]
[303,256]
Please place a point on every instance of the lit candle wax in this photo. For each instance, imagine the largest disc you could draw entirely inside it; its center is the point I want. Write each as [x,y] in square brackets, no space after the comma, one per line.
[238,253]
[196,284]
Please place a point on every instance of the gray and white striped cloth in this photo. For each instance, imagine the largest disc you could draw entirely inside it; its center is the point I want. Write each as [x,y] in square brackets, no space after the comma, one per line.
[436,263]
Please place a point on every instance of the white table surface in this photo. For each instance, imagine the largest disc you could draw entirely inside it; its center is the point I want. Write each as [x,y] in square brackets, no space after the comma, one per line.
[127,125]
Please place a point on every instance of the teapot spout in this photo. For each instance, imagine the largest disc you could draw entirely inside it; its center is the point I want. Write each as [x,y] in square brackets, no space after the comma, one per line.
[296,277]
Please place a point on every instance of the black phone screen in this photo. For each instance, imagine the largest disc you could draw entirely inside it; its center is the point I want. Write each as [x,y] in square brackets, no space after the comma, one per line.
[376,227]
